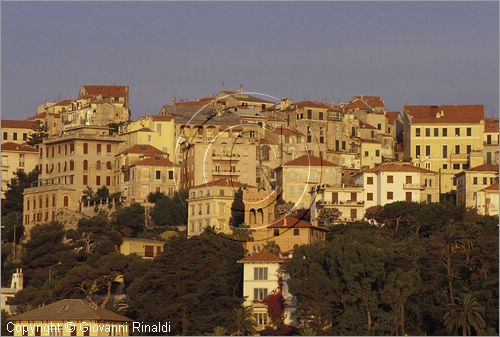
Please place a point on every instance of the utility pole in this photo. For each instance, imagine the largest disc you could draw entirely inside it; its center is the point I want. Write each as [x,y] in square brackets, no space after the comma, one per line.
[15,237]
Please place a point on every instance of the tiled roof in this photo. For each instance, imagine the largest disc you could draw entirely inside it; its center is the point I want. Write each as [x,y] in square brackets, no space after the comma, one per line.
[161,118]
[155,161]
[143,149]
[372,101]
[364,125]
[142,240]
[19,124]
[310,104]
[262,256]
[392,116]
[64,102]
[69,309]
[484,168]
[397,167]
[493,187]
[293,222]
[9,146]
[462,114]
[490,125]
[310,160]
[222,182]
[106,90]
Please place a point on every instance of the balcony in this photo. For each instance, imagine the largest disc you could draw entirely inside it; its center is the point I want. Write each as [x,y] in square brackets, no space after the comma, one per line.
[226,172]
[226,156]
[461,157]
[413,187]
[353,203]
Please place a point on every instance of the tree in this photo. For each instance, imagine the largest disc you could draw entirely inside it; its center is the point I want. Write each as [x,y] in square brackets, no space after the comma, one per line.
[373,212]
[237,210]
[170,211]
[129,221]
[12,224]
[102,193]
[276,307]
[328,216]
[13,201]
[37,136]
[467,314]
[284,208]
[243,323]
[156,196]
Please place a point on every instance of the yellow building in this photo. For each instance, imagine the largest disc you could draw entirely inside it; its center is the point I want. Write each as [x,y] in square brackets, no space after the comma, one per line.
[263,273]
[490,141]
[209,205]
[487,202]
[474,180]
[69,317]
[16,157]
[17,131]
[297,176]
[154,130]
[444,138]
[349,200]
[371,153]
[145,248]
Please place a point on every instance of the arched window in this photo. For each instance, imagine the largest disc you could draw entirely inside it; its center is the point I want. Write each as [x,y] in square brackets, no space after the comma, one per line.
[34,202]
[85,165]
[108,165]
[27,204]
[47,201]
[98,165]
[65,201]
[252,217]
[260,216]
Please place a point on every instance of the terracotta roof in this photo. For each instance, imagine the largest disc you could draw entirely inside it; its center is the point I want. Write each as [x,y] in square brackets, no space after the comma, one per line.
[310,104]
[155,161]
[493,187]
[310,160]
[63,102]
[371,101]
[243,97]
[143,240]
[263,256]
[143,149]
[293,222]
[19,124]
[286,131]
[198,102]
[364,125]
[9,146]
[490,125]
[161,118]
[106,90]
[397,167]
[444,113]
[484,168]
[222,182]
[102,101]
[69,309]
[392,116]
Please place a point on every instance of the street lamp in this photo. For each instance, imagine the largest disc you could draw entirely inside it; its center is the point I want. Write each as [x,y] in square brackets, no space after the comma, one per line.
[50,271]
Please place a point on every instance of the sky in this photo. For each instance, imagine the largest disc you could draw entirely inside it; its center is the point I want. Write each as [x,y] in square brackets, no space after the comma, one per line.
[408,53]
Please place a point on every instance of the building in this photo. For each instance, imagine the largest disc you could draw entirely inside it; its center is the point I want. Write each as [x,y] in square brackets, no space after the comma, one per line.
[17,131]
[16,156]
[16,284]
[444,138]
[297,176]
[82,157]
[287,232]
[490,141]
[487,201]
[474,180]
[391,182]
[145,248]
[69,317]
[263,274]
[349,200]
[209,205]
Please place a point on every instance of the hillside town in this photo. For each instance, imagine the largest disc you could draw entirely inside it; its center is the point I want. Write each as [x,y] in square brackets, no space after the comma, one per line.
[104,214]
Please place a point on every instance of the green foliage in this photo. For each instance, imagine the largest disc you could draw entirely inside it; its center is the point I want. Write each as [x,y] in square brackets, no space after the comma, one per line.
[169,211]
[237,210]
[129,221]
[102,193]
[328,216]
[12,223]
[37,136]
[156,196]
[13,201]
[202,290]
[466,315]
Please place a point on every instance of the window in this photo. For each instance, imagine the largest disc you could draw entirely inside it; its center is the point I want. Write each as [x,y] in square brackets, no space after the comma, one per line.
[408,180]
[98,165]
[14,136]
[488,139]
[457,132]
[369,180]
[427,150]
[456,166]
[417,150]
[149,251]
[5,136]
[469,132]
[474,180]
[108,148]
[485,181]
[457,149]
[170,175]
[366,153]
[65,201]
[276,232]
[417,132]
[85,179]
[85,148]
[71,148]
[85,165]
[354,213]
[427,132]
[208,208]
[445,166]
[98,148]
[98,180]
[389,195]
[436,132]
[445,132]
[259,294]
[408,196]
[261,318]
[321,115]
[377,153]
[390,179]
[71,165]
[108,181]
[369,197]
[468,149]
[309,114]
[21,160]
[445,151]
[158,175]
[379,126]
[221,192]
[108,165]
[260,273]
[296,232]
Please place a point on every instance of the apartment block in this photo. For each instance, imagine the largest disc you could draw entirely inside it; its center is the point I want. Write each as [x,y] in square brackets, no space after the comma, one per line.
[16,157]
[472,181]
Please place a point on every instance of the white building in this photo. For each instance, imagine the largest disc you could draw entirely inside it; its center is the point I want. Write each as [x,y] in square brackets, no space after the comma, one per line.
[16,284]
[487,200]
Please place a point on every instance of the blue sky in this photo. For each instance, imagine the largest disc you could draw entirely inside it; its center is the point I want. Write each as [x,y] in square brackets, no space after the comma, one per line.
[417,53]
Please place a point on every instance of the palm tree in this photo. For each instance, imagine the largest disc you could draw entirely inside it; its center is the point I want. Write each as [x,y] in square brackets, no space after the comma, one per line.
[218,331]
[243,322]
[468,313]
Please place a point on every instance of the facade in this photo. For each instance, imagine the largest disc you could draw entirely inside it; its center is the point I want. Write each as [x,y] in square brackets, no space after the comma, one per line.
[16,284]
[82,157]
[349,200]
[487,200]
[388,183]
[145,248]
[490,141]
[154,130]
[56,319]
[17,131]
[16,157]
[444,138]
[297,176]
[264,273]
[474,180]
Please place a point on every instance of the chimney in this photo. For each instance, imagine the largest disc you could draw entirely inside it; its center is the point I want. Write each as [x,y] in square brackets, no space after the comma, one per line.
[174,100]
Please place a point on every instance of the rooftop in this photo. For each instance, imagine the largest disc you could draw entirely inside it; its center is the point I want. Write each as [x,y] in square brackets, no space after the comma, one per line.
[143,149]
[392,116]
[19,124]
[484,168]
[9,146]
[106,90]
[293,222]
[443,114]
[397,167]
[222,182]
[155,161]
[309,160]
[490,125]
[262,256]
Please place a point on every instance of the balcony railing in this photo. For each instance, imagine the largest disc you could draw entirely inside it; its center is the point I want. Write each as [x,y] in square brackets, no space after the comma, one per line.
[413,186]
[226,156]
[225,172]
